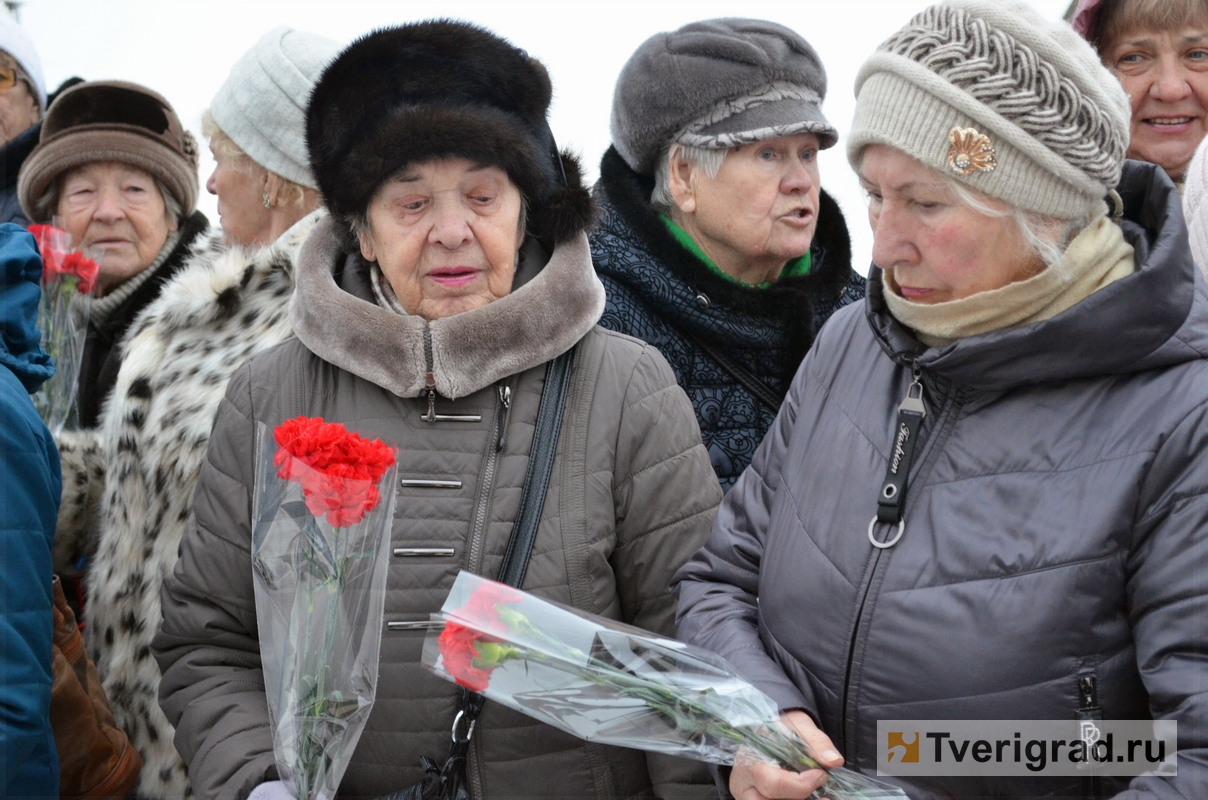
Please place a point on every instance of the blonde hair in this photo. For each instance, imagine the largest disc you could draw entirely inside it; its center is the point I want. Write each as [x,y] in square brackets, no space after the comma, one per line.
[288,194]
[1118,17]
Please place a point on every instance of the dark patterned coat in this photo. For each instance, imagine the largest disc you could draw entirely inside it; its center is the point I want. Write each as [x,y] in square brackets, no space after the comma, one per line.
[661,293]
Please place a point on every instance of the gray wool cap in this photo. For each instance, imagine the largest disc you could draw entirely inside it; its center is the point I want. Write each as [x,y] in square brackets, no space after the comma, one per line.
[262,104]
[1005,101]
[717,84]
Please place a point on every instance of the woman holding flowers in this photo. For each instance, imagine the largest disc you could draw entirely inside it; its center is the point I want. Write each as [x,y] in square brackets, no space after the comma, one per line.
[985,497]
[453,268]
[229,301]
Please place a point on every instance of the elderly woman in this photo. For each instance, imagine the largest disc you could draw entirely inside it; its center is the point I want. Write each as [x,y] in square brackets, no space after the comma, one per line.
[1032,547]
[1158,49]
[115,164]
[454,268]
[22,101]
[717,244]
[228,302]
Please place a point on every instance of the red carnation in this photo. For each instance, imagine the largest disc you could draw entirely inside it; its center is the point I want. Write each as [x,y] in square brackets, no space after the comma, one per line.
[57,260]
[469,655]
[458,651]
[338,470]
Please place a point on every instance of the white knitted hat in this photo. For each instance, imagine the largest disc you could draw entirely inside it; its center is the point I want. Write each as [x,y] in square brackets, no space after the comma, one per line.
[1195,192]
[262,105]
[991,93]
[16,42]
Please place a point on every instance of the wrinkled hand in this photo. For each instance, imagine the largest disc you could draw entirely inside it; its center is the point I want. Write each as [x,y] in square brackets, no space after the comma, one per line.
[761,781]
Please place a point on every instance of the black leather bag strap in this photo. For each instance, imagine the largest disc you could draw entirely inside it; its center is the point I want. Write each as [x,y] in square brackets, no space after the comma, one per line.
[764,393]
[447,781]
[532,498]
[540,468]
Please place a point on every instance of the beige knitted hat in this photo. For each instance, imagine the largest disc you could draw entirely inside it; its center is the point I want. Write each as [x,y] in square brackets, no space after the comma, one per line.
[111,121]
[989,92]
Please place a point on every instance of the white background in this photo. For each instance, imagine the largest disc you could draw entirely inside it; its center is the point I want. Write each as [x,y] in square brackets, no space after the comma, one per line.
[184,49]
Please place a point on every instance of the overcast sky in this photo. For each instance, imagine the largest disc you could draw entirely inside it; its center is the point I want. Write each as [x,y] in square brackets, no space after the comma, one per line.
[184,49]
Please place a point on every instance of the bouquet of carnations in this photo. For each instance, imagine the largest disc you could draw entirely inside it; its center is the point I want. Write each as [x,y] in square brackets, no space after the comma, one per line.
[614,684]
[68,280]
[322,513]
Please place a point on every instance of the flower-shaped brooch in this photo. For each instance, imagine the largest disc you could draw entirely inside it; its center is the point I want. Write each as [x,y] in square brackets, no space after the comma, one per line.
[971,151]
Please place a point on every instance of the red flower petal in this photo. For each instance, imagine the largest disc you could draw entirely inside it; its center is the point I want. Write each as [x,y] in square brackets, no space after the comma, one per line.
[338,469]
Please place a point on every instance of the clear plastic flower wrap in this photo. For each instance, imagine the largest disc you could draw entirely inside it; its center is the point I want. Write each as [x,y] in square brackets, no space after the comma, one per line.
[322,513]
[69,279]
[611,683]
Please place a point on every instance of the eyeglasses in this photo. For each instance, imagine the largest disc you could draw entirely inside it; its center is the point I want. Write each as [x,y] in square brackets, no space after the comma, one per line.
[9,78]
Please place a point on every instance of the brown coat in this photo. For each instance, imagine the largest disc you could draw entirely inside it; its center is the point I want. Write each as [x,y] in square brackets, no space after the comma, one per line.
[631,498]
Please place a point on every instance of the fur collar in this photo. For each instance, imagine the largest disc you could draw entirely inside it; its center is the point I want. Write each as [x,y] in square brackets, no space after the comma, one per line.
[629,194]
[535,323]
[209,288]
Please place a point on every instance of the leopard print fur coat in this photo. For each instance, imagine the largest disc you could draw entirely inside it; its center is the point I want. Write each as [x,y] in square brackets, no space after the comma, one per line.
[225,306]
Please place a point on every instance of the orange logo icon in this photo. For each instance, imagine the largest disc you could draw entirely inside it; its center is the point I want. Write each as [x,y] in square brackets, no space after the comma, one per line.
[909,751]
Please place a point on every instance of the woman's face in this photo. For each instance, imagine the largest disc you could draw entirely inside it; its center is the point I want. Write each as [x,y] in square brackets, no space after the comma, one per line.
[18,105]
[445,233]
[119,210]
[1166,76]
[932,247]
[239,184]
[760,211]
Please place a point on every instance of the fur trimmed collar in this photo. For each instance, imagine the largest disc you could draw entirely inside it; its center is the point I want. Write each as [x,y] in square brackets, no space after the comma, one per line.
[209,288]
[535,323]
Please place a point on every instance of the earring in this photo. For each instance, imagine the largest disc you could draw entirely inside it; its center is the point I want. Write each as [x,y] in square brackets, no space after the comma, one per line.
[267,202]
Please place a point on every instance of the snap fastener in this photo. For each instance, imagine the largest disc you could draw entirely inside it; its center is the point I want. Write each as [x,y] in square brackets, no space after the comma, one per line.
[702,300]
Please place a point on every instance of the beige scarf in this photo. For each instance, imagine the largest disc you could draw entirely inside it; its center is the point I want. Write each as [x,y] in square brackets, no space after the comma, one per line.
[1097,257]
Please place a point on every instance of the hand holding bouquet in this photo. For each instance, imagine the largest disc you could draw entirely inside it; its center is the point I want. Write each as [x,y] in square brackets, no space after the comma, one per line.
[68,280]
[614,684]
[322,515]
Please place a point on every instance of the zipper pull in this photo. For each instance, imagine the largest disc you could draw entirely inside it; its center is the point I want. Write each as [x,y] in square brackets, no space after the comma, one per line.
[505,399]
[913,402]
[1089,715]
[891,501]
[430,377]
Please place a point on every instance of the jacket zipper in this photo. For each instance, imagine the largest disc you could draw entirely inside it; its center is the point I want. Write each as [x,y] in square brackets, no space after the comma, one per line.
[477,534]
[928,437]
[1089,710]
[498,439]
[429,376]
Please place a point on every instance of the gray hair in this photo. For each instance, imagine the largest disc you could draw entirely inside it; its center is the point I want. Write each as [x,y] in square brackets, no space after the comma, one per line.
[709,160]
[48,204]
[1046,237]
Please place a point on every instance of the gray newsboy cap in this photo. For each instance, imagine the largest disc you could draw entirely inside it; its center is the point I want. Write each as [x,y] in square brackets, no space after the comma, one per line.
[717,84]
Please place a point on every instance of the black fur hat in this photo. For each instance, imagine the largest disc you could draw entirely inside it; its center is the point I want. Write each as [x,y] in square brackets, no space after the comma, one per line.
[441,88]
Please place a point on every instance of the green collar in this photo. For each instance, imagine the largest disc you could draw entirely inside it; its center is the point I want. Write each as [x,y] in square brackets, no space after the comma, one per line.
[796,268]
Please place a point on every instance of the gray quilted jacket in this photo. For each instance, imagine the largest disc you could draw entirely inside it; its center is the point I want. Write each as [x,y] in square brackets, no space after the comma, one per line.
[1056,523]
[631,498]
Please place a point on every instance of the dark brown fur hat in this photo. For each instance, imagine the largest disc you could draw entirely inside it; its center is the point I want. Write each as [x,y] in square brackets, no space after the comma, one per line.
[441,88]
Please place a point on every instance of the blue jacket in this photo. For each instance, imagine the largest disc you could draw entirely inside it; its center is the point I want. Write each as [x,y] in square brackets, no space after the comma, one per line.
[664,295]
[30,483]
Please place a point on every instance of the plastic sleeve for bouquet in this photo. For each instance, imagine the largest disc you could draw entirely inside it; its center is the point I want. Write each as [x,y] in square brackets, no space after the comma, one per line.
[320,553]
[611,683]
[68,281]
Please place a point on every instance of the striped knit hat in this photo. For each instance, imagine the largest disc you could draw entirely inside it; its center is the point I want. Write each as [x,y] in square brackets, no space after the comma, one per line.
[989,92]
